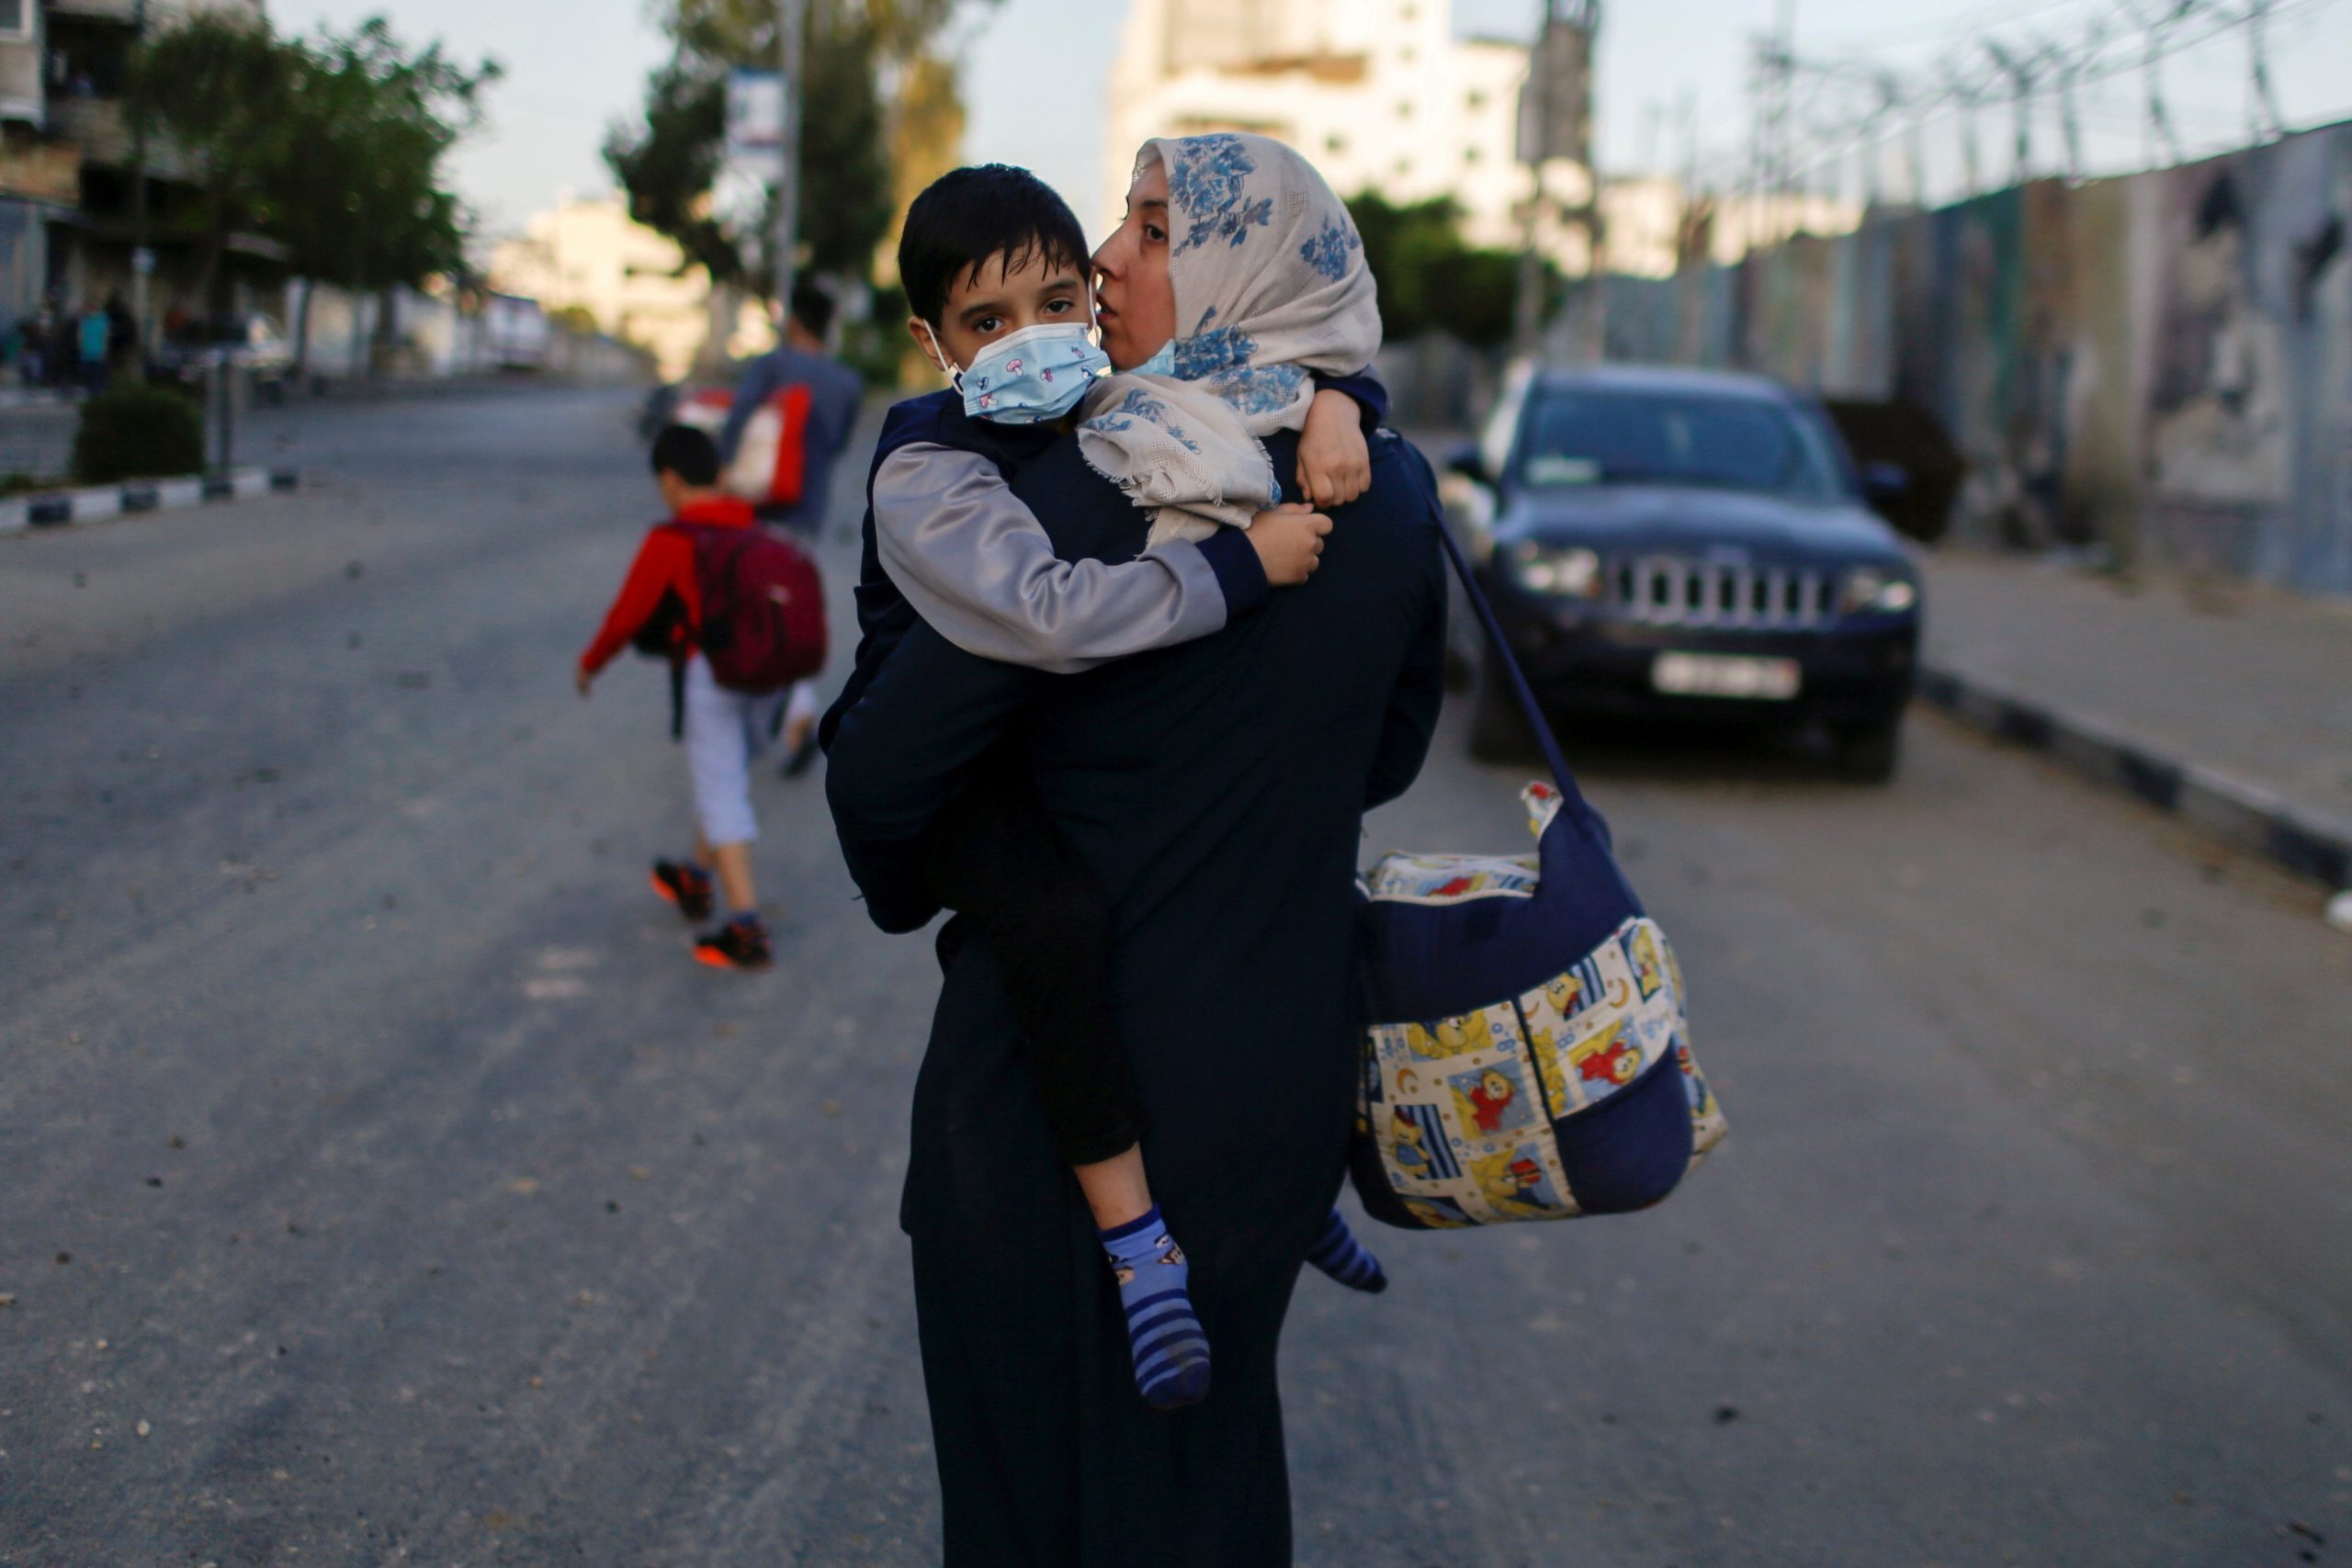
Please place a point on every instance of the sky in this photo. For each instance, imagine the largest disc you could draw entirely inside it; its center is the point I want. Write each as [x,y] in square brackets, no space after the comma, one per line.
[1033,66]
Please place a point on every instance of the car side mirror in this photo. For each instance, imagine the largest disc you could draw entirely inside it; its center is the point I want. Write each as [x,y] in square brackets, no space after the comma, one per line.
[1467,461]
[1884,484]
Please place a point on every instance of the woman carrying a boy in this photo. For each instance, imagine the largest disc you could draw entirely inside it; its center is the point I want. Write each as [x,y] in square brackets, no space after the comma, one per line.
[1214,789]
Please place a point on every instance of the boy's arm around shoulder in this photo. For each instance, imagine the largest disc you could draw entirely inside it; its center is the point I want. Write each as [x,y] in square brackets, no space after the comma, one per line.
[979,568]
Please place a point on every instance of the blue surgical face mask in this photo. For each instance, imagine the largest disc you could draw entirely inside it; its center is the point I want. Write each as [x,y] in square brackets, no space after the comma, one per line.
[1036,374]
[1161,364]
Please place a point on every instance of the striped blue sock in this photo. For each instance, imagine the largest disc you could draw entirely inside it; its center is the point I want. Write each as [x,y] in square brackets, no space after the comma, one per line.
[1339,1254]
[1172,1352]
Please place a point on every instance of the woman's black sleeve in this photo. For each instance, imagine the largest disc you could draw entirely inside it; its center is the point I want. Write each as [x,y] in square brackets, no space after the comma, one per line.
[902,752]
[1414,702]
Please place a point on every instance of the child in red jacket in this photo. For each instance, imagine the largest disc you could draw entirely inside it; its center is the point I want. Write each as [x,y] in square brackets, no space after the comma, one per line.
[660,606]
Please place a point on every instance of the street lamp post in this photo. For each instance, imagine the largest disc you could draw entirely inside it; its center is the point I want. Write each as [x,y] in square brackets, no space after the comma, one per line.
[1528,317]
[791,28]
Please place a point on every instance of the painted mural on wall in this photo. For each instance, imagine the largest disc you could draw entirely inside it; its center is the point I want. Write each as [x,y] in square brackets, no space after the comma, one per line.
[2159,364]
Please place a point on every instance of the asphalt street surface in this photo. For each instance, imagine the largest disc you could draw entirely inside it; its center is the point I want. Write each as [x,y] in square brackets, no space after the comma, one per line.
[383,1183]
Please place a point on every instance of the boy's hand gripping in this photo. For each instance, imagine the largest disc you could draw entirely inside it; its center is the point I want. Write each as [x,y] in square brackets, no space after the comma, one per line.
[1289,541]
[1334,459]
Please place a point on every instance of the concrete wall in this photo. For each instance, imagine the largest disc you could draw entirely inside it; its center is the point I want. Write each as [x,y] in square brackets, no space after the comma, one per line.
[2160,364]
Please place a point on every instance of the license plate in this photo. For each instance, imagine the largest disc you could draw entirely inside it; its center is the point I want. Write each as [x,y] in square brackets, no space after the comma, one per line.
[1726,675]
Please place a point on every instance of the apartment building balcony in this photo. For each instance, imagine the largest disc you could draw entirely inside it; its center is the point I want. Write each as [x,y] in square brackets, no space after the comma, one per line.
[123,11]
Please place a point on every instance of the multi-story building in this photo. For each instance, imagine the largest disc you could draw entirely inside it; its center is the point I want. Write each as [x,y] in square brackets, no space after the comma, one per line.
[1379,93]
[587,254]
[69,166]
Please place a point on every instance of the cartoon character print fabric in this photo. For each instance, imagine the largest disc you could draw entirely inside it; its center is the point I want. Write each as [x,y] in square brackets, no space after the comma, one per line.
[1465,1106]
[1469,1109]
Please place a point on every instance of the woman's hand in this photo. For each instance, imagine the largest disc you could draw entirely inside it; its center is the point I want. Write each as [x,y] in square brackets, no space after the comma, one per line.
[1289,542]
[1334,460]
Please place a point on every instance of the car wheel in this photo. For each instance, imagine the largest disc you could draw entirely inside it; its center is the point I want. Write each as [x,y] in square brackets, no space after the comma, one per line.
[1870,753]
[1497,729]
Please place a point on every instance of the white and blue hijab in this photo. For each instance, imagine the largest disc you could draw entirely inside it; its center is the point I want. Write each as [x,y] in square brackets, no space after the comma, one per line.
[1271,286]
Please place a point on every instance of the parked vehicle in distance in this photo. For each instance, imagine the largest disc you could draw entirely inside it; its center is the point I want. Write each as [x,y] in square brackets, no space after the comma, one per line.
[252,343]
[1682,542]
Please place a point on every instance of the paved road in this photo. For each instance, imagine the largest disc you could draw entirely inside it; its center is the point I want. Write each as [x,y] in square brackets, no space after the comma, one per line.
[384,1185]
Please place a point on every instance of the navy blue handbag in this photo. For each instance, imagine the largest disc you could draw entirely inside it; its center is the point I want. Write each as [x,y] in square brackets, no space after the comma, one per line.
[1526,1054]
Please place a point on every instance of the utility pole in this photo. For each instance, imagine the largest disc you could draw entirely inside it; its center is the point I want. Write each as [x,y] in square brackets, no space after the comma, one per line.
[791,22]
[1527,320]
[142,256]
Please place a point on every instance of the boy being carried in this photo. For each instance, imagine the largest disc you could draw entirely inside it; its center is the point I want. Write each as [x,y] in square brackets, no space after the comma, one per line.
[996,273]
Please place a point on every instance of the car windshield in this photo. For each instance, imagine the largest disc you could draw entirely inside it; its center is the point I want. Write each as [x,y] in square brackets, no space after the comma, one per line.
[1585,438]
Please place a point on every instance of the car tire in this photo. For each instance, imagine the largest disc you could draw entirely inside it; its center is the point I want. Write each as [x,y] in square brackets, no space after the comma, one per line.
[1871,753]
[1499,730]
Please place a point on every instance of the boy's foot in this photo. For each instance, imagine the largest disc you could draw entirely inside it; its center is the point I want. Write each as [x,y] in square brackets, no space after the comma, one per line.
[741,943]
[687,886]
[1171,1353]
[1339,1254]
[804,754]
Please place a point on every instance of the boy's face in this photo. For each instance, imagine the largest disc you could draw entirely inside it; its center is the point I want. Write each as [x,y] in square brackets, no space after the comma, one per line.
[1135,301]
[986,303]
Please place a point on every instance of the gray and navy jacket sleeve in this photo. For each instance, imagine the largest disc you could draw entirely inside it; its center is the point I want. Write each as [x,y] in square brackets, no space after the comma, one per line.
[975,564]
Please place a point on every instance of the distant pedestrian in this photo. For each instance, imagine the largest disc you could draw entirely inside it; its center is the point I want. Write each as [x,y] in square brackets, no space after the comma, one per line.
[37,366]
[122,335]
[802,360]
[662,609]
[97,335]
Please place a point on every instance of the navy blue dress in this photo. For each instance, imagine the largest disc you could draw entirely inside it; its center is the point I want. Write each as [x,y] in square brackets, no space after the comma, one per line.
[1217,789]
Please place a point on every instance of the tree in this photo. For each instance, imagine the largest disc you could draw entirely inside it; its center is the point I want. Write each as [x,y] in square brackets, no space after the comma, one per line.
[331,145]
[1430,280]
[360,203]
[215,84]
[856,53]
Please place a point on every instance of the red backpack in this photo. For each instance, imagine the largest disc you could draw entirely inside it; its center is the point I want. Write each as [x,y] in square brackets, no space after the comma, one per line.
[762,608]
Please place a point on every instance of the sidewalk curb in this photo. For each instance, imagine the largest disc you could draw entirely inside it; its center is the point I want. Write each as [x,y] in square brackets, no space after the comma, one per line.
[56,509]
[2236,813]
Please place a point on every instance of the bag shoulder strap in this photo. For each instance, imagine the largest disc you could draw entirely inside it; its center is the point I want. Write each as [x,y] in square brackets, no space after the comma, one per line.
[1499,650]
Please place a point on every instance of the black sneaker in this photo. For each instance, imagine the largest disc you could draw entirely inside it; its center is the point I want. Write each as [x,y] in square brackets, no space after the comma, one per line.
[686,886]
[803,756]
[741,943]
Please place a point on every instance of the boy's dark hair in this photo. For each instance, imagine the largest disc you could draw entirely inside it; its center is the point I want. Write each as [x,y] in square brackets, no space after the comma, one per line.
[690,454]
[812,308]
[967,216]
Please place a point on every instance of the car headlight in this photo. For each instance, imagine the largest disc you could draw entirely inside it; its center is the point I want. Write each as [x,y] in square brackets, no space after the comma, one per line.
[1868,591]
[1572,573]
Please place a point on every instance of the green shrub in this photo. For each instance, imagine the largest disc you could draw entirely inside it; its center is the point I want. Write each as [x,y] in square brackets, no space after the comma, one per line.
[139,432]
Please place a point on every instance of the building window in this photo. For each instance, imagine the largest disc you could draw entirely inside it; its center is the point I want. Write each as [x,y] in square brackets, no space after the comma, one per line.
[1404,108]
[1472,154]
[1406,55]
[1476,100]
[16,19]
[1410,13]
[1335,144]
[1404,166]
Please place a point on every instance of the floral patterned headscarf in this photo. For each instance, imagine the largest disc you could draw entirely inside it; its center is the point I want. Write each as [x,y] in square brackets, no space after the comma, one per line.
[1270,286]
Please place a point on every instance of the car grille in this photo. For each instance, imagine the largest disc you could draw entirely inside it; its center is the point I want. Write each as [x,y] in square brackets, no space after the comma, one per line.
[1672,591]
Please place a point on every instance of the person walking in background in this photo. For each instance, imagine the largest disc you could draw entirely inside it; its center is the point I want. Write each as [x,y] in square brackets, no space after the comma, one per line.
[800,360]
[660,610]
[122,335]
[96,335]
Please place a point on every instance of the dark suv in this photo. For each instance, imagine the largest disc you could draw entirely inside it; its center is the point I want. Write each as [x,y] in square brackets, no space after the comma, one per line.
[1666,541]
